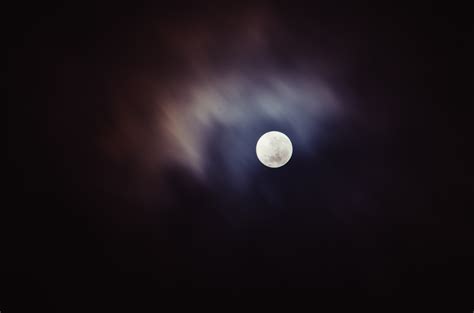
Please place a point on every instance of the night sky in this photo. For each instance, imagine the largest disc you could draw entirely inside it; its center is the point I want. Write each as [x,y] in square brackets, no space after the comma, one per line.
[132,168]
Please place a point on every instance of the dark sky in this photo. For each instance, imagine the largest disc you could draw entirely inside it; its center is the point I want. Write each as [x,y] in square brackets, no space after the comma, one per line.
[131,153]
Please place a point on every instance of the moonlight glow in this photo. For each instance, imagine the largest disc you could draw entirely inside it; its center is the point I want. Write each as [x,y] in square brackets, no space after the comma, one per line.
[190,121]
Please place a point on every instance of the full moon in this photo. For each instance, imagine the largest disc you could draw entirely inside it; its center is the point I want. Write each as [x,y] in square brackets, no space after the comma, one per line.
[274,149]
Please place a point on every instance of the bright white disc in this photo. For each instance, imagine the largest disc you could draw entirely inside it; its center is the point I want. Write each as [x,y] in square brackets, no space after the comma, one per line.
[274,149]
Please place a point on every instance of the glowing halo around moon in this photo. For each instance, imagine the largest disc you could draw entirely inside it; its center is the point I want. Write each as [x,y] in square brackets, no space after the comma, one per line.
[274,149]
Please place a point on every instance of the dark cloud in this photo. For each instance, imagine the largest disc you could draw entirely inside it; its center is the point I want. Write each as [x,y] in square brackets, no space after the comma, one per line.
[132,150]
